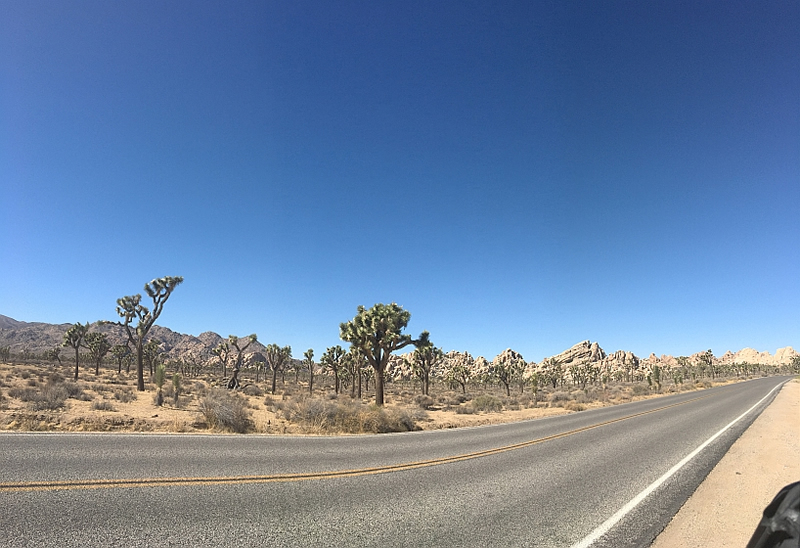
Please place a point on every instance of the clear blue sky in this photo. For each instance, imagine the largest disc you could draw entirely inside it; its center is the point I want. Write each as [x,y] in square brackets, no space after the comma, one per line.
[515,174]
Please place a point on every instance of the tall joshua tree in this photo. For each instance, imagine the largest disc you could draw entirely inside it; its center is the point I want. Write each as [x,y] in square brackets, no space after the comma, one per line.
[98,348]
[240,347]
[276,358]
[424,359]
[75,337]
[120,352]
[308,363]
[131,309]
[376,333]
[332,360]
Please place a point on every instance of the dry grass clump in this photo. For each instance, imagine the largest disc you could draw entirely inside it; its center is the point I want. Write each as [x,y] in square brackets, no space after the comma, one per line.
[487,403]
[574,406]
[559,398]
[424,402]
[51,396]
[349,417]
[226,411]
[102,405]
[124,395]
[253,390]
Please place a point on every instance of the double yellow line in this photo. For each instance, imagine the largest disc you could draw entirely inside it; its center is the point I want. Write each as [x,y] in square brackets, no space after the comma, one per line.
[13,487]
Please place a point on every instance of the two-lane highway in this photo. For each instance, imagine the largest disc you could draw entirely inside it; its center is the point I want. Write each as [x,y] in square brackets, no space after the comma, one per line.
[560,481]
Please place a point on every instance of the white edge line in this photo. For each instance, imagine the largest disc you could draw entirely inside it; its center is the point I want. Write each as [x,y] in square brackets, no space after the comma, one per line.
[622,512]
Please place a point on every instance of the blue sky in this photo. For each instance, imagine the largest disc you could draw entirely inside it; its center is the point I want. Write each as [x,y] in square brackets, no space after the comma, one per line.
[515,174]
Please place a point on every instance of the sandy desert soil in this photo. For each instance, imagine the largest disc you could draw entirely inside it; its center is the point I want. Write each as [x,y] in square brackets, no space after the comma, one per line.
[726,508]
[109,402]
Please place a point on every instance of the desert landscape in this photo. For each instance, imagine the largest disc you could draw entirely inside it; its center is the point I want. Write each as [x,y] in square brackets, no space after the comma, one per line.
[188,388]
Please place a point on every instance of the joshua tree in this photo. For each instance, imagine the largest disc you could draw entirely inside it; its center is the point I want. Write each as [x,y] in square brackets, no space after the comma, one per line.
[276,358]
[223,351]
[75,337]
[233,383]
[458,368]
[5,353]
[706,360]
[152,350]
[160,374]
[377,333]
[552,371]
[98,346]
[508,366]
[354,363]
[53,355]
[130,309]
[176,388]
[308,363]
[333,360]
[120,352]
[424,358]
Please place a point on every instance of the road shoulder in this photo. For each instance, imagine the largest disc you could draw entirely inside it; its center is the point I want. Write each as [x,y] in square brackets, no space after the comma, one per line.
[726,508]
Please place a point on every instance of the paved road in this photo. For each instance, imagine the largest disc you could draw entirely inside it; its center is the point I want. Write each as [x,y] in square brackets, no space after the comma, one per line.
[548,482]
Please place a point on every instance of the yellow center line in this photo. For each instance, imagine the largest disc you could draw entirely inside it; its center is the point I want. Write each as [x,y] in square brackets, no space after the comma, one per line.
[12,487]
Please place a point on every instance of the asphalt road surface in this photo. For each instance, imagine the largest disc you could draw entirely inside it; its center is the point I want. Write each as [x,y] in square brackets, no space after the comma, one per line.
[563,481]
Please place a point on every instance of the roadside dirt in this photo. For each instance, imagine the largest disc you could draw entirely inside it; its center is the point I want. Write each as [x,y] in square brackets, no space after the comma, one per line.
[726,508]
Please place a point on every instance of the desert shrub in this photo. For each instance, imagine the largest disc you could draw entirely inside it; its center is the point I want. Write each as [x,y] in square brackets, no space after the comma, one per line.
[74,391]
[226,411]
[102,405]
[640,389]
[423,401]
[525,400]
[487,403]
[3,401]
[465,409]
[574,406]
[124,395]
[22,394]
[50,397]
[101,388]
[332,395]
[32,382]
[25,374]
[253,390]
[348,417]
[559,398]
[55,377]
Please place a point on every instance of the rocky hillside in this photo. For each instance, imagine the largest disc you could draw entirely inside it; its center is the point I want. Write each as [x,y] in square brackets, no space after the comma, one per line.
[38,337]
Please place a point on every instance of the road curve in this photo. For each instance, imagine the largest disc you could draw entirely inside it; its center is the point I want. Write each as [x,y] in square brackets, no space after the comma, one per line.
[546,482]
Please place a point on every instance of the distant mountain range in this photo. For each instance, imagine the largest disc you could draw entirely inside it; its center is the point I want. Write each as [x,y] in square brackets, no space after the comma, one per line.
[38,337]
